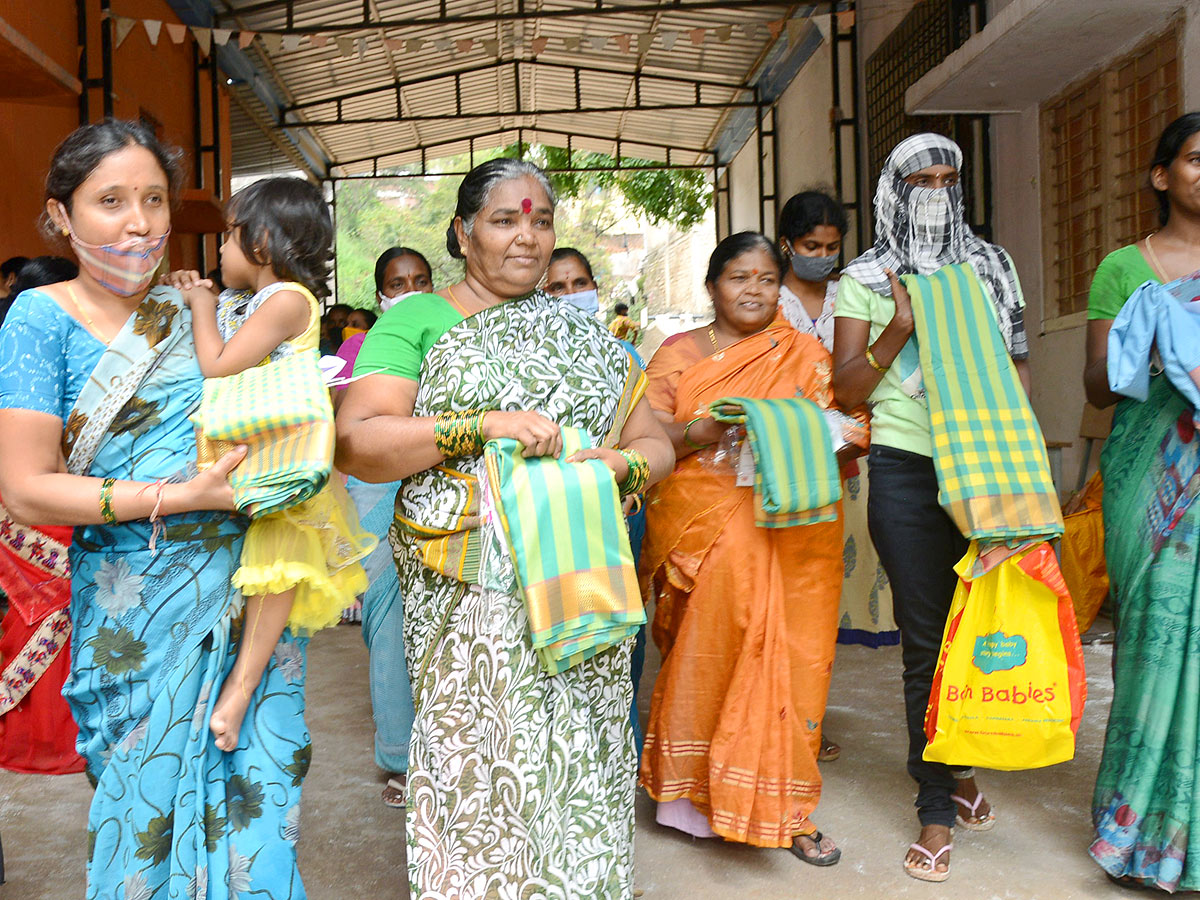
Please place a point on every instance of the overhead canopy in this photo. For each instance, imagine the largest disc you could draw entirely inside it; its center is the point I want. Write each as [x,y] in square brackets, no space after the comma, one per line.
[663,80]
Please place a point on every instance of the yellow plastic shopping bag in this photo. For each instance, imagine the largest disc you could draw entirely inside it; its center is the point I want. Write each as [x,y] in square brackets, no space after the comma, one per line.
[1009,688]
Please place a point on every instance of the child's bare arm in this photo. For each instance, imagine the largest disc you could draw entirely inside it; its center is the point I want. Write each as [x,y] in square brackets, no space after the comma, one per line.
[282,316]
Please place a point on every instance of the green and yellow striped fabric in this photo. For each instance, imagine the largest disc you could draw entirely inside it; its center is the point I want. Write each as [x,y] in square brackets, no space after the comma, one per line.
[993,473]
[796,479]
[570,548]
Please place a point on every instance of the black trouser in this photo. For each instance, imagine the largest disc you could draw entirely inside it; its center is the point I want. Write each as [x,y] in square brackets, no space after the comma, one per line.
[918,545]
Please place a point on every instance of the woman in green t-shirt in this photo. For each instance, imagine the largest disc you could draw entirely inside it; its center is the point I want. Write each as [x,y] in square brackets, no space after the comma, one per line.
[920,227]
[1144,807]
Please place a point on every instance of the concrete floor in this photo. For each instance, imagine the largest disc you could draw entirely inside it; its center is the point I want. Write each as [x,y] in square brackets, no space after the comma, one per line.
[353,847]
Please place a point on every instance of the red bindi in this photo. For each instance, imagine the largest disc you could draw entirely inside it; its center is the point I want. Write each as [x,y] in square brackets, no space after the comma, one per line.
[527,206]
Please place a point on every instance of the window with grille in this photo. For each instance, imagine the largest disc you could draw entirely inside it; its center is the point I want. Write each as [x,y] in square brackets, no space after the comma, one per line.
[931,31]
[1097,140]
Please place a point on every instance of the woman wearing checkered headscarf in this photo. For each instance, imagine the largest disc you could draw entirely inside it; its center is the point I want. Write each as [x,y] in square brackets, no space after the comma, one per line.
[920,228]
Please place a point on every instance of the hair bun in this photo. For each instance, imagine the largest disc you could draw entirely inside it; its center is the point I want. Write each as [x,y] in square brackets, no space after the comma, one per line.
[452,246]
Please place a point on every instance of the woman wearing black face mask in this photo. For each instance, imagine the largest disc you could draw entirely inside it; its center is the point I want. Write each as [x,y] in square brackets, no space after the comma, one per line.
[811,228]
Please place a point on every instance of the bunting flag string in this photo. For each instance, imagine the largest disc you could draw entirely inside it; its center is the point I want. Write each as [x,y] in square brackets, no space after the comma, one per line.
[275,42]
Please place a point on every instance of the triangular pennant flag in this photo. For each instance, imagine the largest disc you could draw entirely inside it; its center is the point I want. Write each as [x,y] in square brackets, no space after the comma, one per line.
[645,41]
[538,45]
[176,32]
[443,45]
[776,28]
[751,30]
[394,44]
[668,39]
[122,26]
[246,38]
[414,45]
[153,29]
[345,45]
[318,40]
[795,28]
[697,35]
[491,46]
[572,44]
[361,44]
[724,33]
[273,42]
[845,19]
[597,43]
[203,37]
[221,36]
[291,42]
[464,45]
[622,42]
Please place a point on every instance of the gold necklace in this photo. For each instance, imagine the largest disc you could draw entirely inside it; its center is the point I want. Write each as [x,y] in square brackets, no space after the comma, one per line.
[712,336]
[75,300]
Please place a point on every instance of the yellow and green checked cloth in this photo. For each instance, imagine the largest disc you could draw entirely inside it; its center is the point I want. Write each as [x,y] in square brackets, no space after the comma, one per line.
[993,474]
[566,533]
[796,480]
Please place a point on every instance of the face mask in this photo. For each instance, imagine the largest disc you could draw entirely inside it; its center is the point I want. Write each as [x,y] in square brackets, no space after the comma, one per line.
[813,268]
[349,331]
[588,301]
[386,302]
[126,267]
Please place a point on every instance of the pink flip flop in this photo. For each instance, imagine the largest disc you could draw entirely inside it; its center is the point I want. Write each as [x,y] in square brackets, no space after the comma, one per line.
[919,871]
[985,823]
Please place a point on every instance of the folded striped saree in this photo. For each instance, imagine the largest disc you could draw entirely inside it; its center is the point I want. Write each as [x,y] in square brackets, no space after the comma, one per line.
[565,530]
[796,480]
[993,474]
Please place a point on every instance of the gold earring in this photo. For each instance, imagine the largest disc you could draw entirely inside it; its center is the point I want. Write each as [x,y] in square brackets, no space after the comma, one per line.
[66,232]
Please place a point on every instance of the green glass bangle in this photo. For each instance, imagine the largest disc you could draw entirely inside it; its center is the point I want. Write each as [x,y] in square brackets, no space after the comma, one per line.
[106,498]
[639,472]
[687,440]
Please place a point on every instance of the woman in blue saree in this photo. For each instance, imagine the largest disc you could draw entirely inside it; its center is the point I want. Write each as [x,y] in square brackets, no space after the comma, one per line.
[97,381]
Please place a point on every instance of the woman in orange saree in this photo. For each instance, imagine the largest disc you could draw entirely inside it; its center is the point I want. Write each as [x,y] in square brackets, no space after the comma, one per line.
[745,617]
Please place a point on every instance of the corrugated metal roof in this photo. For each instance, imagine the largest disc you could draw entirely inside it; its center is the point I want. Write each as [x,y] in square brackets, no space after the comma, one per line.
[496,104]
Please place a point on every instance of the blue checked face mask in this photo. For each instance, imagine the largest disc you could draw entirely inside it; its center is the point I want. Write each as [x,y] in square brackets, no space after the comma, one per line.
[588,301]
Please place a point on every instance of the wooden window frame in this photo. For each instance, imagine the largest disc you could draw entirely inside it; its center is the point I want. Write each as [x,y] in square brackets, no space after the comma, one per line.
[1122,209]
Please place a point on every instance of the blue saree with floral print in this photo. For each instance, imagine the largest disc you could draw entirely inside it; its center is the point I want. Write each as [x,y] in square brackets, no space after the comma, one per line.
[155,632]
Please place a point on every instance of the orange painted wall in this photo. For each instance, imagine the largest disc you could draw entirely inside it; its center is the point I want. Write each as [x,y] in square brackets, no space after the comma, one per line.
[158,80]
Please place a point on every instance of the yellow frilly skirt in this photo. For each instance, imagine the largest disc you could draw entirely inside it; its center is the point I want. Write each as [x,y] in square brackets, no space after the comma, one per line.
[314,548]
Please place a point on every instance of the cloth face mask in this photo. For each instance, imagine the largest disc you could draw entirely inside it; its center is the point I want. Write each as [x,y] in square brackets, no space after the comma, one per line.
[588,301]
[813,268]
[386,302]
[126,267]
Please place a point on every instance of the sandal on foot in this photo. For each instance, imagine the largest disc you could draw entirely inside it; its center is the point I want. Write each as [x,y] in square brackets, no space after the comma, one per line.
[829,858]
[395,794]
[984,823]
[829,750]
[919,871]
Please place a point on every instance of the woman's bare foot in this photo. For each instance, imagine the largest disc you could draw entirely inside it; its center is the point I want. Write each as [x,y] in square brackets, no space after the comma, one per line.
[933,865]
[229,711]
[974,811]
[815,849]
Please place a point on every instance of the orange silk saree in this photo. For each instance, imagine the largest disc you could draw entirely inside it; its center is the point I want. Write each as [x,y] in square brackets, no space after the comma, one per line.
[745,617]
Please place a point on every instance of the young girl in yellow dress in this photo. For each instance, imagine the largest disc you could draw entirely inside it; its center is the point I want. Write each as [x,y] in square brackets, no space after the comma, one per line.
[299,567]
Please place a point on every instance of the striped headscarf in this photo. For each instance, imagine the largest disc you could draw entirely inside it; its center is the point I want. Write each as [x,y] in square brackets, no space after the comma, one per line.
[920,230]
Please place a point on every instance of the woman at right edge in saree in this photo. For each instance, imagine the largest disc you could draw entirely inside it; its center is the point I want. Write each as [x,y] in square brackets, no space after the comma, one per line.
[520,783]
[1144,808]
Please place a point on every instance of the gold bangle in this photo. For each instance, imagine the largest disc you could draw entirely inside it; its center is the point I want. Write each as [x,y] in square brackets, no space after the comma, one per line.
[106,499]
[875,363]
[459,433]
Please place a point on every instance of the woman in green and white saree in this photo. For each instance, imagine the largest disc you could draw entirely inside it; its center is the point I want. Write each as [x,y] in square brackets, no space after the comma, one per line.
[521,783]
